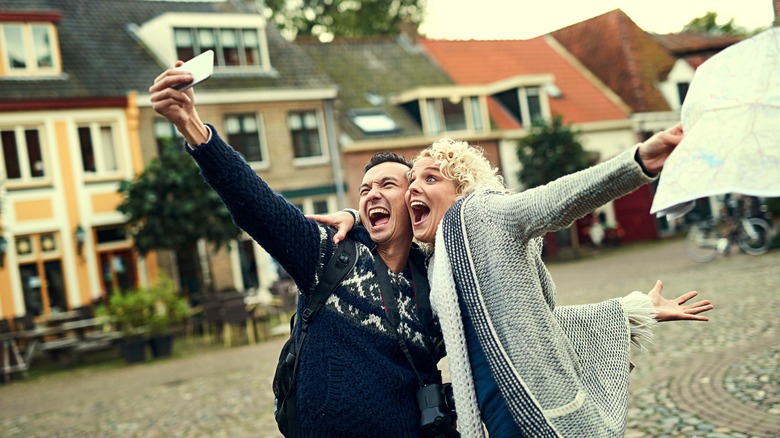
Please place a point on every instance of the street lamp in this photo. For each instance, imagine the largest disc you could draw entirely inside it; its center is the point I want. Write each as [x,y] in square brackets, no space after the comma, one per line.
[81,235]
[3,249]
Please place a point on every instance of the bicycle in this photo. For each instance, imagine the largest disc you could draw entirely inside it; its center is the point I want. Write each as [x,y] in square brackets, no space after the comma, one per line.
[708,238]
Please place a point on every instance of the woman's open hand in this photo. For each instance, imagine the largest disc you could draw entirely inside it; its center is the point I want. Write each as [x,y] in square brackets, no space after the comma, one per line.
[676,309]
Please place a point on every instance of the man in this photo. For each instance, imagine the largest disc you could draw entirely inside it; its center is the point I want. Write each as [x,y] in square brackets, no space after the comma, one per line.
[353,378]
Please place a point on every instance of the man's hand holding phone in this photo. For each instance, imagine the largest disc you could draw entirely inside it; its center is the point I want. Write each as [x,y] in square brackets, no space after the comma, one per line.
[172,98]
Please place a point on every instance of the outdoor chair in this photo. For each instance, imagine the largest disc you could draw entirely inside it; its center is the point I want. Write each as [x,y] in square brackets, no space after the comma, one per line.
[234,313]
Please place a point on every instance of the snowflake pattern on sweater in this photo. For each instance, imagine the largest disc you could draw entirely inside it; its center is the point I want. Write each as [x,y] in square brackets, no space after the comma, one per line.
[353,378]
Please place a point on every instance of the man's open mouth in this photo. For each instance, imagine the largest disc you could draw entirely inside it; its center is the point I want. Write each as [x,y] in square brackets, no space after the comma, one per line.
[378,216]
[420,211]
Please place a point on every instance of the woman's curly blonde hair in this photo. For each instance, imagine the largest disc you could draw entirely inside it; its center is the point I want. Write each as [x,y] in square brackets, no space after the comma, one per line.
[465,164]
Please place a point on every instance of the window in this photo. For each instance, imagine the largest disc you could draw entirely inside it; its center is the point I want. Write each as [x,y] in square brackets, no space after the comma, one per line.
[682,90]
[29,48]
[243,133]
[524,103]
[305,132]
[231,46]
[373,121]
[98,148]
[22,156]
[534,103]
[166,135]
[315,205]
[320,206]
[448,114]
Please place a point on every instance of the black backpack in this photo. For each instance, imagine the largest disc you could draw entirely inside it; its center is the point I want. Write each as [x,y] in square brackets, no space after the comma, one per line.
[285,411]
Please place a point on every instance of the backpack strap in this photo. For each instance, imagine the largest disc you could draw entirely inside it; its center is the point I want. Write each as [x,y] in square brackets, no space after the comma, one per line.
[340,263]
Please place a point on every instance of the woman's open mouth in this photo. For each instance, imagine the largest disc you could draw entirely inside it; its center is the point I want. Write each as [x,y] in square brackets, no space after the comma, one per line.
[420,212]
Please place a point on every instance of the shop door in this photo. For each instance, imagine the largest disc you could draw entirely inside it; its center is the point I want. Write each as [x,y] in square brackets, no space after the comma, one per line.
[118,270]
[43,287]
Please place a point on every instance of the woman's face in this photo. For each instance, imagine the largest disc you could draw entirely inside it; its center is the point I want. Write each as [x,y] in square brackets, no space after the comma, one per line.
[429,196]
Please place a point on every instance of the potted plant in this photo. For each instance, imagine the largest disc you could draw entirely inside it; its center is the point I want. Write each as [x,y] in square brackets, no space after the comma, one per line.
[130,312]
[168,309]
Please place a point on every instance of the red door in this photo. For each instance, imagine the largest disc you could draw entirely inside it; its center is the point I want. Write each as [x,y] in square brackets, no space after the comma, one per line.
[632,213]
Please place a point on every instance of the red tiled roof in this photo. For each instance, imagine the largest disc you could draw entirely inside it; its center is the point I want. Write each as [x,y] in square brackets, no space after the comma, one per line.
[626,58]
[694,42]
[483,62]
[697,47]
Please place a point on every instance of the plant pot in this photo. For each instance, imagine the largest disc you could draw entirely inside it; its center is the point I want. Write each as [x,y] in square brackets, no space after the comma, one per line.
[161,345]
[133,350]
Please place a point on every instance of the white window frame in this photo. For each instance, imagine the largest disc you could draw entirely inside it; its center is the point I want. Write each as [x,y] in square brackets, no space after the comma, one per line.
[307,203]
[316,159]
[24,160]
[31,68]
[432,114]
[265,163]
[218,45]
[525,111]
[98,149]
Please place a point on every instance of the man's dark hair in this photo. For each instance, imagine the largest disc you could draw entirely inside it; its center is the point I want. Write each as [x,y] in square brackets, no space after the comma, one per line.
[386,157]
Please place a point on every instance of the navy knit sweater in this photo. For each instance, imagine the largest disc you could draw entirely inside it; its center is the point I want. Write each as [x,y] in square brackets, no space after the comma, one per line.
[353,378]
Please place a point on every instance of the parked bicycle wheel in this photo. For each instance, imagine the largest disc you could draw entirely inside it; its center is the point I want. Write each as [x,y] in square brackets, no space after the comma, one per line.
[701,243]
[753,237]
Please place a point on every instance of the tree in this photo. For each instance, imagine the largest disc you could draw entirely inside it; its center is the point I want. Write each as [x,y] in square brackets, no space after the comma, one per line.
[344,18]
[549,152]
[708,24]
[169,206]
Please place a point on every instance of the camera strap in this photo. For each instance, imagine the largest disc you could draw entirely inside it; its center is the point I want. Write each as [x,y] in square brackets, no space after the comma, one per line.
[391,306]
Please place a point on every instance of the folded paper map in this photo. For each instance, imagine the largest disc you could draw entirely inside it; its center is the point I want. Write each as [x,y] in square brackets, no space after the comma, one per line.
[731,121]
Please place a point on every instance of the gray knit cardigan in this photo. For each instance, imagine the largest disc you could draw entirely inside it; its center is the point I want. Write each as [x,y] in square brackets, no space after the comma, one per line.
[563,371]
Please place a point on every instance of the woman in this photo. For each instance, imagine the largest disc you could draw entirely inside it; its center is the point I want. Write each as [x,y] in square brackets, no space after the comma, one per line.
[518,362]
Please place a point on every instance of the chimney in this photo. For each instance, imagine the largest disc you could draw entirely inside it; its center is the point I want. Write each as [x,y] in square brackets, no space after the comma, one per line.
[410,28]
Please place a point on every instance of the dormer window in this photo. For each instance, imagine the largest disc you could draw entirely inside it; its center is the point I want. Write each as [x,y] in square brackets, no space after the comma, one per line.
[435,114]
[29,46]
[239,41]
[524,103]
[232,46]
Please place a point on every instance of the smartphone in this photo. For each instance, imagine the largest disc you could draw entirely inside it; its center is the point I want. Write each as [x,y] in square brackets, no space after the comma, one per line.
[201,67]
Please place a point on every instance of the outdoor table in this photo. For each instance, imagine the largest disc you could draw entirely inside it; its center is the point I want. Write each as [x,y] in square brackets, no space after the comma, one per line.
[12,361]
[56,318]
[81,326]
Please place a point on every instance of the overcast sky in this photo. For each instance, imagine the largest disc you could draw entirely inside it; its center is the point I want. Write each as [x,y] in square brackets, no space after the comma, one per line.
[520,19]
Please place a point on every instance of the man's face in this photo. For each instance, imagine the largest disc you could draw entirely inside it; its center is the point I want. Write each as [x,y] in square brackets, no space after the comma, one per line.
[430,195]
[382,205]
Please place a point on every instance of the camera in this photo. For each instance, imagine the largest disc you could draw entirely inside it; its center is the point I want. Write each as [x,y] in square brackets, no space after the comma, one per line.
[438,418]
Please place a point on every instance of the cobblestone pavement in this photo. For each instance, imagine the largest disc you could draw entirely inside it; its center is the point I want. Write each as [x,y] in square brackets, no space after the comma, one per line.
[715,379]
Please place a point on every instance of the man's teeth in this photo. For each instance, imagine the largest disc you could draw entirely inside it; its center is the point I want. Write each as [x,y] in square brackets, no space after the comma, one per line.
[374,211]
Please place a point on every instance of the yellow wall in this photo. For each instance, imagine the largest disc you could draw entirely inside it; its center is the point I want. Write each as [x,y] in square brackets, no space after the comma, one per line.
[105,202]
[34,210]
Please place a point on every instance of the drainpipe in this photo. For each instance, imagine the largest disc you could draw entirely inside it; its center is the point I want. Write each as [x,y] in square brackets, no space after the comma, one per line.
[335,155]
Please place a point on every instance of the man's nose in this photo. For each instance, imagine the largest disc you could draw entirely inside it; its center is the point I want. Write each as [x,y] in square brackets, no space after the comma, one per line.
[373,192]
